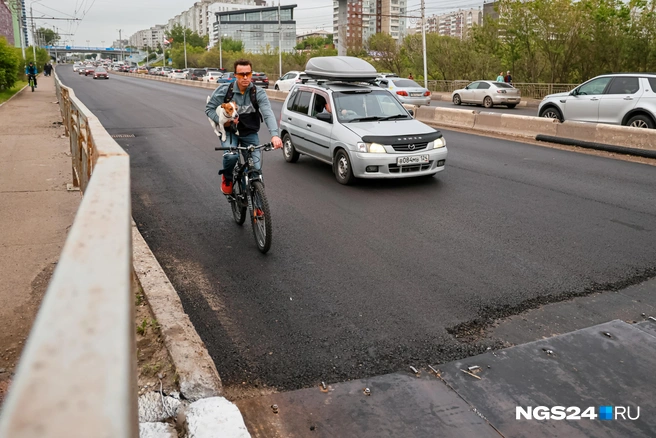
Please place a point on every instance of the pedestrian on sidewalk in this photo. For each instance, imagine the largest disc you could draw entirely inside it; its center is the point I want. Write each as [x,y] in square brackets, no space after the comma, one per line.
[500,77]
[47,69]
[31,71]
[508,78]
[410,76]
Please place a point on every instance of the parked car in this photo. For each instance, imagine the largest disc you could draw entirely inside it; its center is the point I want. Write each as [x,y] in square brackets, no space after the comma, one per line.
[177,74]
[196,74]
[406,90]
[488,94]
[619,99]
[212,76]
[227,78]
[288,80]
[361,130]
[142,70]
[260,79]
[100,73]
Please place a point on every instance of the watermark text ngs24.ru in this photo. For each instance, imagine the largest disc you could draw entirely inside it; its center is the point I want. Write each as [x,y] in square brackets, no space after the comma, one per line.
[576,413]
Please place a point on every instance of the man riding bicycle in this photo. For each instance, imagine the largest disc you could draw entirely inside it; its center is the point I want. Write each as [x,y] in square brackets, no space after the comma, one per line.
[253,108]
[31,72]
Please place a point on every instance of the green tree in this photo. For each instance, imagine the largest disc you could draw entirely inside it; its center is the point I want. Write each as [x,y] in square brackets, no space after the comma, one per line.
[9,64]
[49,36]
[315,43]
[179,33]
[386,52]
[231,45]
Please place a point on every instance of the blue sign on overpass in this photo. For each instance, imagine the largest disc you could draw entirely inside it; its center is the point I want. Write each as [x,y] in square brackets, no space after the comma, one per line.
[86,49]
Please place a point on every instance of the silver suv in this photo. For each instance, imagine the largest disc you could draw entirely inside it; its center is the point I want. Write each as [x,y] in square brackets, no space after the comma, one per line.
[621,99]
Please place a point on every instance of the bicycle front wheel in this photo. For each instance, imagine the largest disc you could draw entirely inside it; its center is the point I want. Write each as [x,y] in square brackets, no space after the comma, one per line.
[261,217]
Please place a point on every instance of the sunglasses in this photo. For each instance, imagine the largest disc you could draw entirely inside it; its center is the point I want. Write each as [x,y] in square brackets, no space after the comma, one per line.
[245,75]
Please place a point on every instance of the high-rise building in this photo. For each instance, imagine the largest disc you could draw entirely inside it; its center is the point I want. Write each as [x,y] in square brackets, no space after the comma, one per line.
[6,22]
[368,17]
[454,24]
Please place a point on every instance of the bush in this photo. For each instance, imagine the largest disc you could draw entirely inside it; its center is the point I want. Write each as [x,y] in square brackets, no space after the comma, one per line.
[9,65]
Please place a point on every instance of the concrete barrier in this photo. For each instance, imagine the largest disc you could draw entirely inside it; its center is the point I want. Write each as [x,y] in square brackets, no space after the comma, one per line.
[446,117]
[638,138]
[510,124]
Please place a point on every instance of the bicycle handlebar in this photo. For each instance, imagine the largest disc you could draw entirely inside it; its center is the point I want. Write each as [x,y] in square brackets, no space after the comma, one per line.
[265,146]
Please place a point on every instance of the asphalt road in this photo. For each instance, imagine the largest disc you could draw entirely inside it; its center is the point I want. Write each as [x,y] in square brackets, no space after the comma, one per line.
[369,279]
[521,111]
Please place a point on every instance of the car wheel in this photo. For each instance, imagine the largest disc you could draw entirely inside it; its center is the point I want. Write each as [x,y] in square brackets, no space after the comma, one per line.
[276,88]
[511,106]
[456,99]
[551,112]
[641,121]
[343,170]
[288,149]
[487,102]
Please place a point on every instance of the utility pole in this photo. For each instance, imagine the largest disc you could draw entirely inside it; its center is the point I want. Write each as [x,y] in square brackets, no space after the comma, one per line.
[220,47]
[33,35]
[184,38]
[423,41]
[279,43]
[120,43]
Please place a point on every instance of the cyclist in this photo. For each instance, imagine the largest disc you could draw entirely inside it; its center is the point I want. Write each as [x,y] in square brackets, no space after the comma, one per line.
[253,108]
[31,72]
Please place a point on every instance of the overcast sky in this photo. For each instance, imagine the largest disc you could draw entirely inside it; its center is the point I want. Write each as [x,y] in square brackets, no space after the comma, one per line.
[101,19]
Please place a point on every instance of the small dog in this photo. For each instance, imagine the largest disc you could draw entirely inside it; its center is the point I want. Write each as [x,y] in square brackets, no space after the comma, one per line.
[227,112]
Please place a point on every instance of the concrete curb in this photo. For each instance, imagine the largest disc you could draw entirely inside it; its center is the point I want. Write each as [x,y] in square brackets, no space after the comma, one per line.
[196,371]
[15,94]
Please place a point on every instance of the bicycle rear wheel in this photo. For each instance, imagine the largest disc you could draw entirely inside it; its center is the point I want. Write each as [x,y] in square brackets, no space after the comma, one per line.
[261,217]
[32,85]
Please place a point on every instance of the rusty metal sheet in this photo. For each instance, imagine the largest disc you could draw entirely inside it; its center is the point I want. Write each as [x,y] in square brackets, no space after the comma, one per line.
[608,364]
[399,405]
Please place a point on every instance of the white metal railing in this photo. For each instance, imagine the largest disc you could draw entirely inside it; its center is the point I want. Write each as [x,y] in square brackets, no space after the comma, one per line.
[528,90]
[77,374]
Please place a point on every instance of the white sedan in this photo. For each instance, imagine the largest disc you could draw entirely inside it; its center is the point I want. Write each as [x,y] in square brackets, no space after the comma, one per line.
[177,74]
[287,81]
[212,76]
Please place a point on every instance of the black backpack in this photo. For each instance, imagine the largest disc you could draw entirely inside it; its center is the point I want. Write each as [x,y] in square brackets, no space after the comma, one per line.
[231,93]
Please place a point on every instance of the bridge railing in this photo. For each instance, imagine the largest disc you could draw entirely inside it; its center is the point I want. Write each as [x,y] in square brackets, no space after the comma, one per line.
[77,373]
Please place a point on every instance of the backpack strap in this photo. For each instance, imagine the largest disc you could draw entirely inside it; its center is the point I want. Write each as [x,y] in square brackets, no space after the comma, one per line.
[254,102]
[229,94]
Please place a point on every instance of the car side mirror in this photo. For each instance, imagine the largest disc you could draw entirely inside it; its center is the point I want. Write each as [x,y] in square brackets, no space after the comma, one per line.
[325,117]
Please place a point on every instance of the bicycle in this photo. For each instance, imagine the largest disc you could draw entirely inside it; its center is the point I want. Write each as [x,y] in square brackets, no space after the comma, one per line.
[30,81]
[248,193]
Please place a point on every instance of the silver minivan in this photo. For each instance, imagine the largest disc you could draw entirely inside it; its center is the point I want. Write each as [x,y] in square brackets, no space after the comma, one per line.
[363,131]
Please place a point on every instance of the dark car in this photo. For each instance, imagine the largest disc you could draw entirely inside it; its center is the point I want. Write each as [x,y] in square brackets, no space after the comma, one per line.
[196,74]
[260,79]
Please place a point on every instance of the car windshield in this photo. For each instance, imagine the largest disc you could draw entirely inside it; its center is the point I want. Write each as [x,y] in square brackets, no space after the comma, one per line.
[100,70]
[405,83]
[369,105]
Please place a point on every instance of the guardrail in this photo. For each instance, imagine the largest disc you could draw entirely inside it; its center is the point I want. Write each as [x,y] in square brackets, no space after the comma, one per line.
[77,373]
[528,90]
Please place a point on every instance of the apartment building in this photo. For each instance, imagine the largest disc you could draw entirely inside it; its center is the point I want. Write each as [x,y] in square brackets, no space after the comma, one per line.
[148,37]
[368,17]
[455,24]
[6,22]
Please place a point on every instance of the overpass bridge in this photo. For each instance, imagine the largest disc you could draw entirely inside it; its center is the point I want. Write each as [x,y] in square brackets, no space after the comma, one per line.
[104,51]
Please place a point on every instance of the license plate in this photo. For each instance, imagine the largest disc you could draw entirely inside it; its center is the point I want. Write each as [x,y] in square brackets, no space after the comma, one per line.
[415,159]
[416,94]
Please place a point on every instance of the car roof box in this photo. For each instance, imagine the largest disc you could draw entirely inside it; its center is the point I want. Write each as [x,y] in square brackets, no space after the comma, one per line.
[340,68]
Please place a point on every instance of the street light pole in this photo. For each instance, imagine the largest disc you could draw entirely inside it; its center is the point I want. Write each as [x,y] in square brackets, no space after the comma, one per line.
[279,43]
[184,38]
[423,41]
[220,46]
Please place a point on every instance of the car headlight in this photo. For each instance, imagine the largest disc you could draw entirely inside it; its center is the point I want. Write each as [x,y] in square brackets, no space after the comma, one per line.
[439,143]
[374,148]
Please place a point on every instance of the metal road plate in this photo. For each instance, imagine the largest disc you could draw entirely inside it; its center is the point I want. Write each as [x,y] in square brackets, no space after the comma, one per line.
[586,368]
[399,405]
